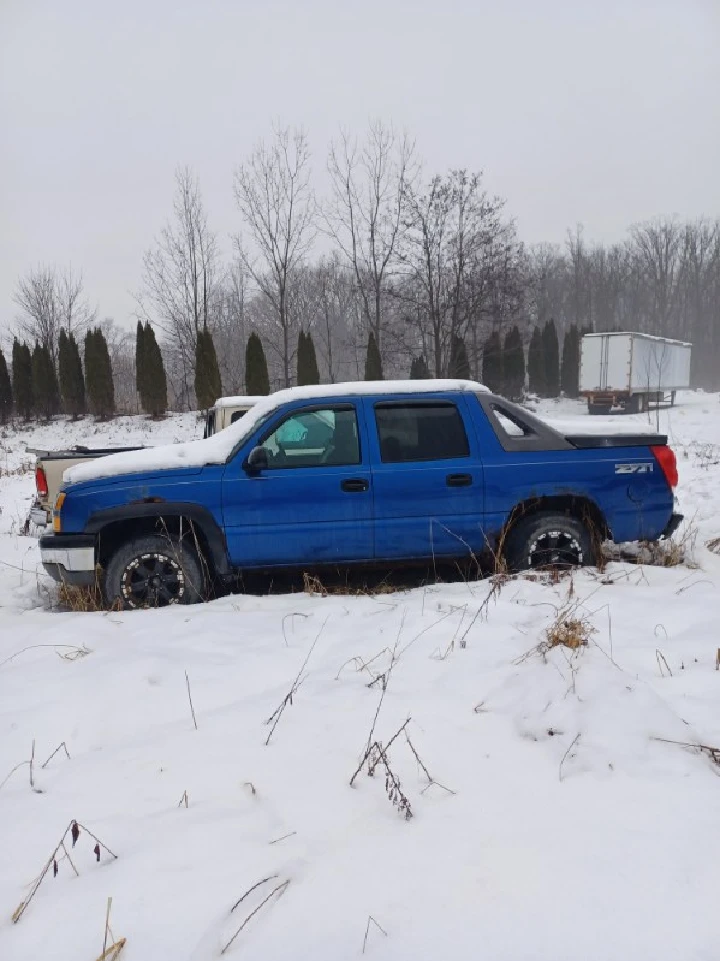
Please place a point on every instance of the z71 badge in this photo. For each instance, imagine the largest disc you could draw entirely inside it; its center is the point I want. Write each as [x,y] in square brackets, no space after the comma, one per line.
[645,468]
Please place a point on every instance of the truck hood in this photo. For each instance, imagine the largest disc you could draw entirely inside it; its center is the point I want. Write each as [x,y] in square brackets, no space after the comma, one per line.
[148,461]
[138,479]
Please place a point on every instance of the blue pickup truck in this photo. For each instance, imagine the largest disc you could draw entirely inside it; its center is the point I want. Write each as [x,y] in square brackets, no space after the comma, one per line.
[348,474]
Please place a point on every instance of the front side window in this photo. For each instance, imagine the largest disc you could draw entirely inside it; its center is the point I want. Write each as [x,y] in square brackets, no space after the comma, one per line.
[420,432]
[315,438]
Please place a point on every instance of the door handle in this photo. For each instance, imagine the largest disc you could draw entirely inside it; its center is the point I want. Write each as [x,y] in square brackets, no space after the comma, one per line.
[355,485]
[458,480]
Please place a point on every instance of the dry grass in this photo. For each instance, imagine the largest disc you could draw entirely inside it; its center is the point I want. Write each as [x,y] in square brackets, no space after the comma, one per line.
[25,468]
[569,630]
[677,551]
[315,587]
[667,553]
[81,599]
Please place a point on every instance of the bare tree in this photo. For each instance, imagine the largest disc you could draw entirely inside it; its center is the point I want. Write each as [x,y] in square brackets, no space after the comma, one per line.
[699,308]
[273,192]
[338,321]
[366,213]
[580,306]
[51,300]
[656,248]
[231,322]
[181,278]
[458,253]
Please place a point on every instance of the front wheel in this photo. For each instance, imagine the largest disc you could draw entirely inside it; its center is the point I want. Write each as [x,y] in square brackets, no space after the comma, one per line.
[547,540]
[154,571]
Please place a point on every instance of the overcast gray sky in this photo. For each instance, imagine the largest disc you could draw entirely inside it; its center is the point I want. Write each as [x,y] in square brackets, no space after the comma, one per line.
[604,112]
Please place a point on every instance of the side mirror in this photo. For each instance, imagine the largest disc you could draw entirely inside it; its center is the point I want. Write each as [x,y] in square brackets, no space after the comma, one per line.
[257,460]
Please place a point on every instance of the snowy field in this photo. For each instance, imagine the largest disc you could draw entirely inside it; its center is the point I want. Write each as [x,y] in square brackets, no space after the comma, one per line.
[555,825]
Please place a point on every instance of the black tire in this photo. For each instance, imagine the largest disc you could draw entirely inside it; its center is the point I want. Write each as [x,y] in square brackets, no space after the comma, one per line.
[598,408]
[548,540]
[154,571]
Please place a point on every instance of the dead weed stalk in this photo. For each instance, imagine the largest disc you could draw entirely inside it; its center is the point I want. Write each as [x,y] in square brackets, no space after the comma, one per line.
[31,771]
[371,920]
[110,951]
[278,890]
[301,676]
[377,755]
[74,829]
[712,752]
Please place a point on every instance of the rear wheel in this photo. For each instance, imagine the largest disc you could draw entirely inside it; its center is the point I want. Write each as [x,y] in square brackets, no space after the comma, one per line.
[154,571]
[549,540]
[598,408]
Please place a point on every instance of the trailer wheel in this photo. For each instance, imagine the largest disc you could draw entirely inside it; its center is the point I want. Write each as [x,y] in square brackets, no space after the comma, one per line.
[549,540]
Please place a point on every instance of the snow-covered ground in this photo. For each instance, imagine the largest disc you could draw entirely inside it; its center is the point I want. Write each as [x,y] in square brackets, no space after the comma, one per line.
[559,826]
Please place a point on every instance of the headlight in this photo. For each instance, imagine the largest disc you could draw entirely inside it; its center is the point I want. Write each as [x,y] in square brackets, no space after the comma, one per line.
[57,521]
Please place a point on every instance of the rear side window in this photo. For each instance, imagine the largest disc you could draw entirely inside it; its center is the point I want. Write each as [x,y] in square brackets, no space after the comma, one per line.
[511,423]
[420,432]
[237,415]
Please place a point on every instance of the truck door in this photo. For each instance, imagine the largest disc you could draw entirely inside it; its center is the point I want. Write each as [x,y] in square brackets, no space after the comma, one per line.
[427,478]
[313,502]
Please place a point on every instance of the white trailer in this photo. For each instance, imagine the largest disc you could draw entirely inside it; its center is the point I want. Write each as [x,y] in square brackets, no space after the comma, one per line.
[631,370]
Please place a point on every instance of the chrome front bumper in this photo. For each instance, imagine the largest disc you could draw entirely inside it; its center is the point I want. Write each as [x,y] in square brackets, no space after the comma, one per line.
[69,558]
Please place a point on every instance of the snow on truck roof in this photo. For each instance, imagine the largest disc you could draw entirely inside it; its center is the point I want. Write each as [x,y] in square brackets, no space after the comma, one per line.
[217,449]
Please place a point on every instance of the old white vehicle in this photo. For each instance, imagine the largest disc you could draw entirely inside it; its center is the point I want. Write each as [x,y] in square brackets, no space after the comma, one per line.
[50,465]
[225,411]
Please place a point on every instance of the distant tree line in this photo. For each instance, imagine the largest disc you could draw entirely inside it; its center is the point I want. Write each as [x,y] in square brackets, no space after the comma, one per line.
[40,387]
[419,275]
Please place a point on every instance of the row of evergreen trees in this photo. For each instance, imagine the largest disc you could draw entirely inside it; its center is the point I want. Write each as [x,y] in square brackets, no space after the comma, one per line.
[504,368]
[38,389]
[548,375]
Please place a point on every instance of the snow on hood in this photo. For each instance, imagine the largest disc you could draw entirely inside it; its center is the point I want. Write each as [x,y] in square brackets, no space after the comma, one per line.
[218,448]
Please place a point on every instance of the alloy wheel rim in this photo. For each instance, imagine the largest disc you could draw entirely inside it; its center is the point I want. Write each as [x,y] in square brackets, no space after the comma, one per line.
[152,580]
[556,548]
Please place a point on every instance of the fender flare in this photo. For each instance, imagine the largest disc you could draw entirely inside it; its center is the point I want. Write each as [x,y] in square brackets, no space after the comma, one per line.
[589,510]
[198,515]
